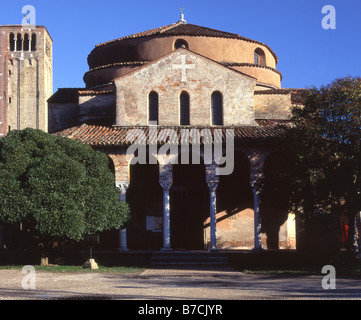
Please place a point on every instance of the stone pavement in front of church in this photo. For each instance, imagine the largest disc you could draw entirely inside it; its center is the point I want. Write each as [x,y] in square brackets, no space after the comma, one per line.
[175,284]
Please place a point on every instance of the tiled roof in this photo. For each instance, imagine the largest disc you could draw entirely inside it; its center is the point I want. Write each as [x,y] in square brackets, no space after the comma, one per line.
[297,95]
[141,63]
[121,64]
[95,92]
[246,64]
[187,29]
[266,131]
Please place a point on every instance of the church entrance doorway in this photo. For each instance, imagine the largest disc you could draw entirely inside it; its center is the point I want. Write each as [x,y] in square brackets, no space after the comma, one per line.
[145,199]
[189,205]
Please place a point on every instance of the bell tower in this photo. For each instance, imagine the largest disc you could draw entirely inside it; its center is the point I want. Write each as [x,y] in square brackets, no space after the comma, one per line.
[26,77]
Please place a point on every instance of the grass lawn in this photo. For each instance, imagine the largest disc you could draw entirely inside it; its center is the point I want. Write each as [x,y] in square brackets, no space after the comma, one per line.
[56,268]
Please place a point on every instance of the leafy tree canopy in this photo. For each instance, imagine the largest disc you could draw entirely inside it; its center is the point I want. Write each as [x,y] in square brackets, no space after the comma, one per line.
[325,137]
[59,187]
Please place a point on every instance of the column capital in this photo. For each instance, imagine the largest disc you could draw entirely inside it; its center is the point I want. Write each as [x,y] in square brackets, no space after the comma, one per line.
[212,185]
[166,184]
[166,176]
[211,173]
[122,185]
[257,159]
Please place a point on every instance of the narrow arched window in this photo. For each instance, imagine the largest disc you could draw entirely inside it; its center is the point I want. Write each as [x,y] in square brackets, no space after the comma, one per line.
[26,42]
[217,108]
[180,43]
[33,42]
[184,109]
[153,108]
[259,57]
[19,42]
[12,42]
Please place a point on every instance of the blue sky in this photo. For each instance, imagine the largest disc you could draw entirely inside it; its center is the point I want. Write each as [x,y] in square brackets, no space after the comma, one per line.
[308,54]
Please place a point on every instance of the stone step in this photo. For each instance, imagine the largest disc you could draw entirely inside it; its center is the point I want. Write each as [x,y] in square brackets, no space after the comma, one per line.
[188,258]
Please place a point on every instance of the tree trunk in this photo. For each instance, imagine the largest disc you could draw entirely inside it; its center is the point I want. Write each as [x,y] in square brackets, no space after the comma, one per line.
[44,261]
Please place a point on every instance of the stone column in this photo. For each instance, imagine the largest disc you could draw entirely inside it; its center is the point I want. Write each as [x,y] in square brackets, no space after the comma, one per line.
[212,182]
[166,181]
[256,161]
[123,187]
[212,186]
[166,215]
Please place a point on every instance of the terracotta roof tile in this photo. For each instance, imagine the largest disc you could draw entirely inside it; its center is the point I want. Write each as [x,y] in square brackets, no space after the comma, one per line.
[94,92]
[120,64]
[187,29]
[265,132]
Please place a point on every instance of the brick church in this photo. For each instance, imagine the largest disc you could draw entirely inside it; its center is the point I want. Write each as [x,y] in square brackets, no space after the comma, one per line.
[151,91]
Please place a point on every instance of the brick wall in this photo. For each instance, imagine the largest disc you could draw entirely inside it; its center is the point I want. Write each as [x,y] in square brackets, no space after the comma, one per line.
[30,79]
[272,106]
[206,77]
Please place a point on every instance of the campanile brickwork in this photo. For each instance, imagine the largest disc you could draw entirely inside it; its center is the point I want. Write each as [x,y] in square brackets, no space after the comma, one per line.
[26,77]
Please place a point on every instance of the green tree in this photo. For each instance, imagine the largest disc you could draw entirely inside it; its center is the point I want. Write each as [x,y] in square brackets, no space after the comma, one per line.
[325,138]
[58,188]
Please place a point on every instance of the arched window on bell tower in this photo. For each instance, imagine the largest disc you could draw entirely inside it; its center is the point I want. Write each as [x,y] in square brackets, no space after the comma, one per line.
[26,42]
[153,108]
[33,42]
[19,42]
[12,41]
[184,109]
[217,108]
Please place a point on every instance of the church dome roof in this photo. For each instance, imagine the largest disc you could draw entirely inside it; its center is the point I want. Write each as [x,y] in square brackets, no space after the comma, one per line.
[117,57]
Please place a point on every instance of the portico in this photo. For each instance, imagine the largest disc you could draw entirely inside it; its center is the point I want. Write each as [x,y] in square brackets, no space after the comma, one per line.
[188,212]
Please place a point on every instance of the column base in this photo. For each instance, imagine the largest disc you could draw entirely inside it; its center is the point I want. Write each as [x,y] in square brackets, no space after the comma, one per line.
[123,249]
[166,249]
[257,250]
[215,249]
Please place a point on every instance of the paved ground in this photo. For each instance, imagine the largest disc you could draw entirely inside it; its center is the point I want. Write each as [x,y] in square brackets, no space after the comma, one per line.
[172,284]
